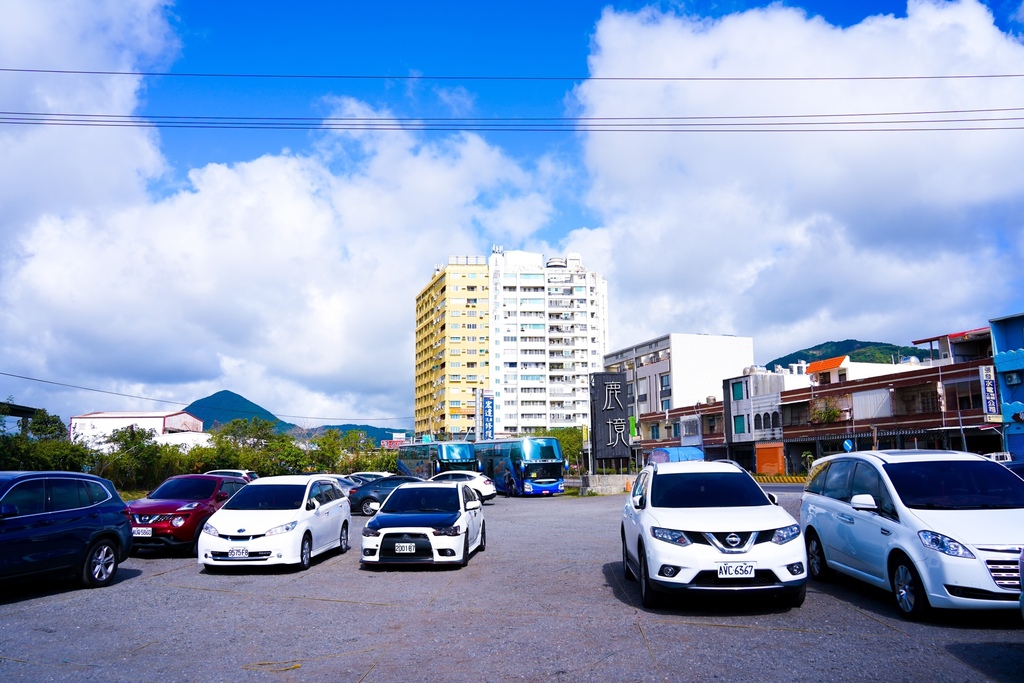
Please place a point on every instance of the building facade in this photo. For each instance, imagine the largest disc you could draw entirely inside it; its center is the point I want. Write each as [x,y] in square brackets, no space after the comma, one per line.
[678,370]
[1008,357]
[178,427]
[452,347]
[550,332]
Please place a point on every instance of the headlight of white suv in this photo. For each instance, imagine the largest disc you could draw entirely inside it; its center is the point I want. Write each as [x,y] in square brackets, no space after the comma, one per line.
[786,534]
[670,536]
[944,544]
[210,529]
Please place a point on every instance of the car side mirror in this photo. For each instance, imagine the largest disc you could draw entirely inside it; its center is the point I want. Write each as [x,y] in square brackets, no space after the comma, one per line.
[473,505]
[8,510]
[222,495]
[638,502]
[863,501]
[772,497]
[311,504]
[374,506]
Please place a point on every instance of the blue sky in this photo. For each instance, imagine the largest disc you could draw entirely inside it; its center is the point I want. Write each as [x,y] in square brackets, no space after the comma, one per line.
[174,262]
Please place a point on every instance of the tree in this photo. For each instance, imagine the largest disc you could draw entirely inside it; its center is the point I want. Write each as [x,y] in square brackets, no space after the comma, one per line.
[45,427]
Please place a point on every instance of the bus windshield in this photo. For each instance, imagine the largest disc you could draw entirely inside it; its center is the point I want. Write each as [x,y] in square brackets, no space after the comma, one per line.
[541,449]
[457,452]
[543,470]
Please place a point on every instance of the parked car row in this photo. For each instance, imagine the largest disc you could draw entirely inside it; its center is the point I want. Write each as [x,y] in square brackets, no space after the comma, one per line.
[938,529]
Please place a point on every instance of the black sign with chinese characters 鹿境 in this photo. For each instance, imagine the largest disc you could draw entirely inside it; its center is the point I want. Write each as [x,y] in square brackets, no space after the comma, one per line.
[609,417]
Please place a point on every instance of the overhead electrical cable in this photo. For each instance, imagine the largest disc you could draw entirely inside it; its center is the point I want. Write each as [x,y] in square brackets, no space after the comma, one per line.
[937,120]
[179,403]
[468,77]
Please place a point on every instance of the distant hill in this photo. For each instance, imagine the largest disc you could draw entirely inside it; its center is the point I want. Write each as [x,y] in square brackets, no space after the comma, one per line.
[858,351]
[225,406]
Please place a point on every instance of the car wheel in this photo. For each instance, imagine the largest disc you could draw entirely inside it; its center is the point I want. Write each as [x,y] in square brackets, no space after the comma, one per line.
[306,553]
[908,589]
[365,506]
[483,538]
[465,550]
[626,571]
[797,597]
[647,597]
[343,541]
[100,564]
[817,566]
[193,549]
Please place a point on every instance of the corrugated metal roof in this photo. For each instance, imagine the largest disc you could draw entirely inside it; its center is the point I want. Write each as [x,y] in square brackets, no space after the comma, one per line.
[826,364]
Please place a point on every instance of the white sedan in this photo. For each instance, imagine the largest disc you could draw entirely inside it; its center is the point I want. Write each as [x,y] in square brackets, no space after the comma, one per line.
[428,522]
[279,520]
[481,483]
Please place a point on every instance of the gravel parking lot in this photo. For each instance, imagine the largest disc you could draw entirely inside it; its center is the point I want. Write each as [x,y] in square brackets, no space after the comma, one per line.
[545,601]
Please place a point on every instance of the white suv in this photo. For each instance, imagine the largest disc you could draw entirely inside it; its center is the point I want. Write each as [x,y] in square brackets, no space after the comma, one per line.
[708,526]
[937,528]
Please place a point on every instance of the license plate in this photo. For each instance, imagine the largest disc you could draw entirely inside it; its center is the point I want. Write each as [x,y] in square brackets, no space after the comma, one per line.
[736,570]
[142,531]
[405,547]
[238,552]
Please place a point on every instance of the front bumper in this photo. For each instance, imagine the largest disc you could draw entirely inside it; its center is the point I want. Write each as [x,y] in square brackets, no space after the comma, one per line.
[425,547]
[261,551]
[962,583]
[777,568]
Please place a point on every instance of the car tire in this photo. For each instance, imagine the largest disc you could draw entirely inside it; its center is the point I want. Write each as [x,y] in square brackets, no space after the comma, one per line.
[306,552]
[483,538]
[100,564]
[817,565]
[193,548]
[908,590]
[465,550]
[796,598]
[626,571]
[647,595]
[365,506]
[343,539]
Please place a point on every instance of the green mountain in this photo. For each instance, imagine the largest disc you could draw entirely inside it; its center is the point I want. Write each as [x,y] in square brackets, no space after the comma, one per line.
[225,406]
[858,351]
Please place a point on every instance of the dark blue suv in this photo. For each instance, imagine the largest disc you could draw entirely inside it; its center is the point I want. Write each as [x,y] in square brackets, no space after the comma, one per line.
[62,522]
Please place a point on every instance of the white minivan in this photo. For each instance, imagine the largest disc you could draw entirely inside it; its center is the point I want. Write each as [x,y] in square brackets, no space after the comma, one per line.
[939,529]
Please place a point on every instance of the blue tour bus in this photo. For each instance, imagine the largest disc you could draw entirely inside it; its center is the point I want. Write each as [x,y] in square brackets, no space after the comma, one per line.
[526,466]
[424,460]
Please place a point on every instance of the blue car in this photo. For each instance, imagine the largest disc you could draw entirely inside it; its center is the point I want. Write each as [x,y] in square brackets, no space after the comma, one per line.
[62,523]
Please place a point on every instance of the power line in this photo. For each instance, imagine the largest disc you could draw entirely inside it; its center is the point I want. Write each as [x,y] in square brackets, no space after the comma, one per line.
[179,403]
[937,120]
[467,77]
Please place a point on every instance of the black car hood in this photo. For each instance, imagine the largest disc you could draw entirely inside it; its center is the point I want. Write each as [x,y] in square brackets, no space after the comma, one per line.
[386,520]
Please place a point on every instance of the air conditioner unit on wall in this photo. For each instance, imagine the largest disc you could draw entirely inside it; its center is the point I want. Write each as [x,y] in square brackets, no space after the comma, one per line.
[1012,378]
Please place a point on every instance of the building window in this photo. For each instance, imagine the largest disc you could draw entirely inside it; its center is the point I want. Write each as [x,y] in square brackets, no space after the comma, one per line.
[757,421]
[665,381]
[738,424]
[737,391]
[655,431]
[665,404]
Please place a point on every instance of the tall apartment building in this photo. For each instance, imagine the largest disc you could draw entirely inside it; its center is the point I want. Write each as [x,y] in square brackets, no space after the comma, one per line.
[549,323]
[452,338]
[529,331]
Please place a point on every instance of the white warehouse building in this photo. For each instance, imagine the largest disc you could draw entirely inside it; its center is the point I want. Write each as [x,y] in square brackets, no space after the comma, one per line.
[178,427]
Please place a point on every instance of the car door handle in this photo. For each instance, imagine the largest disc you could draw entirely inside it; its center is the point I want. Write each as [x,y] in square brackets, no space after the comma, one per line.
[886,532]
[845,518]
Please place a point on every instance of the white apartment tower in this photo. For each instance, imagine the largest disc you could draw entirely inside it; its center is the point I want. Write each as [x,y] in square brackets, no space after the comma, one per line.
[549,331]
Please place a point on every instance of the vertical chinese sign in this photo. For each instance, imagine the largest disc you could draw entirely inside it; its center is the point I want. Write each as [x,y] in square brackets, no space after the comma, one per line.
[609,421]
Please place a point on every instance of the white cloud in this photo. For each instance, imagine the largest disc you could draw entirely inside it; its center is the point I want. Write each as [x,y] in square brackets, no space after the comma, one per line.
[798,238]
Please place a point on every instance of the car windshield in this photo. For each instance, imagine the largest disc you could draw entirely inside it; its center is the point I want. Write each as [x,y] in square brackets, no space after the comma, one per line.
[422,500]
[268,497]
[956,485]
[706,490]
[185,489]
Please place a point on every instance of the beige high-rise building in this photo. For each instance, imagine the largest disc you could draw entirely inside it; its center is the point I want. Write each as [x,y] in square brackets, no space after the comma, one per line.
[452,347]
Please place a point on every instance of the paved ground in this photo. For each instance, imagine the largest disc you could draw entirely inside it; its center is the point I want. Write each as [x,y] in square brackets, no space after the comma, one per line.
[546,601]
